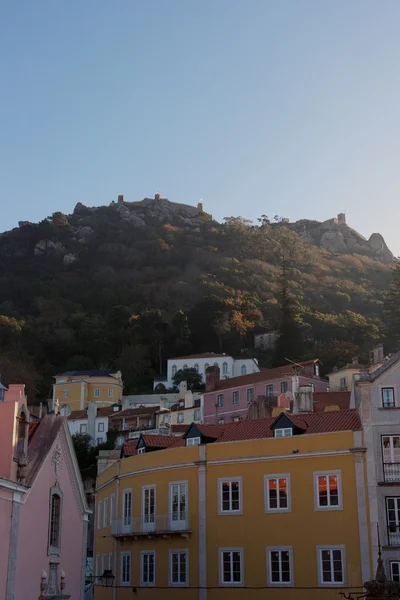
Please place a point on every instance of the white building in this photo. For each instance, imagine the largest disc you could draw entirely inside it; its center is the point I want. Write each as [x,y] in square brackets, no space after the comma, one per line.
[266,341]
[228,366]
[187,409]
[93,421]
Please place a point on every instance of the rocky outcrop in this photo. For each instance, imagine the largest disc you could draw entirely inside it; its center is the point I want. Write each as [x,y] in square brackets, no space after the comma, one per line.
[70,259]
[48,248]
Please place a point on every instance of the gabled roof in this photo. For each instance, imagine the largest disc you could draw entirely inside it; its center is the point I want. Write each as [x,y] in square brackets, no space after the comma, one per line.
[179,428]
[296,421]
[381,370]
[105,411]
[129,448]
[324,399]
[161,441]
[94,373]
[136,412]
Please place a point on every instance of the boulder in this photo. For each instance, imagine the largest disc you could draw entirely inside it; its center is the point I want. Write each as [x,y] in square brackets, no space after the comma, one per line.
[333,241]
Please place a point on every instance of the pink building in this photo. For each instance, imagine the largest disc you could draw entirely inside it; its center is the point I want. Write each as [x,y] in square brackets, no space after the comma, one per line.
[228,400]
[43,510]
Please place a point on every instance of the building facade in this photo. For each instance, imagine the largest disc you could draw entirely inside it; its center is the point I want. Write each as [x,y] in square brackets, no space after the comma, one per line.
[77,388]
[43,510]
[228,366]
[228,401]
[272,506]
[93,421]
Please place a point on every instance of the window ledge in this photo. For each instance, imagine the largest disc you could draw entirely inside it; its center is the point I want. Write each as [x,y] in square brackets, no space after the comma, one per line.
[328,508]
[229,513]
[389,483]
[397,548]
[388,407]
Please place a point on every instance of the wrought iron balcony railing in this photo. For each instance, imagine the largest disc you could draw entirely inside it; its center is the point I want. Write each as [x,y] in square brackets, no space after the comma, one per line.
[172,523]
[391,472]
[393,535]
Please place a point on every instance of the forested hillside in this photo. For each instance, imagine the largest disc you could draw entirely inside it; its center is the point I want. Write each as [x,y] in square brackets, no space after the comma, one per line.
[128,285]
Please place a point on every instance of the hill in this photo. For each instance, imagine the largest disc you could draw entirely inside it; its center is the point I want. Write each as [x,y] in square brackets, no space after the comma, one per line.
[130,284]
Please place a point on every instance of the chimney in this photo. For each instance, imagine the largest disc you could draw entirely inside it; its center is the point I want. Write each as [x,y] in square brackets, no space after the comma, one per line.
[303,400]
[377,354]
[212,378]
[354,361]
[189,401]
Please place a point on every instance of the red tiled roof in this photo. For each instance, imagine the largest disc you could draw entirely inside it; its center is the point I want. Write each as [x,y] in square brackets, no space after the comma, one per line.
[162,441]
[105,411]
[213,431]
[323,399]
[180,428]
[136,412]
[326,422]
[203,355]
[130,448]
[33,425]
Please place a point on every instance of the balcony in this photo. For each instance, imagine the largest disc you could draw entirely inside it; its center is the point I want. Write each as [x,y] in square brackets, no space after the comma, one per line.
[153,525]
[394,535]
[391,472]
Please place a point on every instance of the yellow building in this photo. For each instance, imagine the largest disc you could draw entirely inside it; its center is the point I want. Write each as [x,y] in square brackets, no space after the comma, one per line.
[341,380]
[78,388]
[272,508]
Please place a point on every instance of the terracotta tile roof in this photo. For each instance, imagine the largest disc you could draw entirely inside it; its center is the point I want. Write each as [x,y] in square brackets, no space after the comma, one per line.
[343,420]
[203,355]
[130,448]
[179,428]
[297,422]
[32,428]
[323,399]
[162,441]
[43,433]
[213,431]
[136,412]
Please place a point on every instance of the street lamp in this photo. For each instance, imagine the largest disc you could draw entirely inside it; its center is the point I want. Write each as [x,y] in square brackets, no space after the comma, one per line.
[107,579]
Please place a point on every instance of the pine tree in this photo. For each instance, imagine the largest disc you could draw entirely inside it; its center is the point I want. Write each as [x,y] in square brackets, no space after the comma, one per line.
[392,310]
[289,345]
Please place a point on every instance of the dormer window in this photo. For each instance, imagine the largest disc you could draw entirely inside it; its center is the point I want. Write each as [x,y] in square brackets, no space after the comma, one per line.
[196,441]
[141,450]
[284,432]
[316,370]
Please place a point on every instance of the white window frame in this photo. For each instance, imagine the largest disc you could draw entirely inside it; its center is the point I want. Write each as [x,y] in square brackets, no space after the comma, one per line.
[284,383]
[221,567]
[391,563]
[277,476]
[100,427]
[112,508]
[250,395]
[271,583]
[283,432]
[224,368]
[66,392]
[317,474]
[174,370]
[96,392]
[391,448]
[121,565]
[197,414]
[105,512]
[237,396]
[383,389]
[243,370]
[83,428]
[269,390]
[195,441]
[99,514]
[221,421]
[220,400]
[142,582]
[141,450]
[174,583]
[323,583]
[223,480]
[129,522]
[149,525]
[110,392]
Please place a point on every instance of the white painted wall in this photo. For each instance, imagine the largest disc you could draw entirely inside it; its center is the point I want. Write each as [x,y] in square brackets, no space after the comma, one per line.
[74,426]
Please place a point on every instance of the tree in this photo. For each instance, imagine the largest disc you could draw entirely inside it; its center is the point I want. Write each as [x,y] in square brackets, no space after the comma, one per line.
[289,345]
[135,365]
[392,309]
[191,376]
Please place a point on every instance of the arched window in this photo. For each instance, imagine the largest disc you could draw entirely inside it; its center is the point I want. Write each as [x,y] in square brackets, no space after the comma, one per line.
[216,364]
[225,368]
[206,366]
[196,366]
[185,366]
[173,370]
[243,370]
[55,519]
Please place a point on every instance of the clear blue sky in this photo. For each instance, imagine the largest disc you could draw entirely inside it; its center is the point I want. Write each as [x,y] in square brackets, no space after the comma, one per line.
[256,106]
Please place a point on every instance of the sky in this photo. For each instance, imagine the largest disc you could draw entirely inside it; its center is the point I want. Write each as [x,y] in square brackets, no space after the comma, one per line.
[254,106]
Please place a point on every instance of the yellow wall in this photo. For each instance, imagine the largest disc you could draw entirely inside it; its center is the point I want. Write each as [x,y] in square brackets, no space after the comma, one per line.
[334,379]
[89,384]
[303,528]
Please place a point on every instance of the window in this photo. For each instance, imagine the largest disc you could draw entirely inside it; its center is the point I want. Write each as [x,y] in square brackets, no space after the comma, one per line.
[181,417]
[196,441]
[331,565]
[196,367]
[395,571]
[316,370]
[393,520]
[284,387]
[185,367]
[388,397]
[178,567]
[224,368]
[100,427]
[312,386]
[216,365]
[206,366]
[269,390]
[174,369]
[149,507]
[250,395]
[97,392]
[110,392]
[283,432]
[141,450]
[236,419]
[66,393]
[231,566]
[230,492]
[120,440]
[103,563]
[328,495]
[221,421]
[235,398]
[391,457]
[99,514]
[112,504]
[243,370]
[127,509]
[55,520]
[105,512]
[110,562]
[279,566]
[197,414]
[220,400]
[99,441]
[147,568]
[83,429]
[277,493]
[343,383]
[125,562]
[178,505]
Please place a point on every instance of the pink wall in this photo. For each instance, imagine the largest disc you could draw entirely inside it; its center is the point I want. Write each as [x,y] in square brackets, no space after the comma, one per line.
[5,529]
[33,533]
[14,398]
[229,410]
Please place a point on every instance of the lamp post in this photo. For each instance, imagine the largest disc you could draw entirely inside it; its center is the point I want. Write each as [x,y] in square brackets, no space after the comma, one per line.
[107,579]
